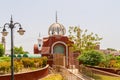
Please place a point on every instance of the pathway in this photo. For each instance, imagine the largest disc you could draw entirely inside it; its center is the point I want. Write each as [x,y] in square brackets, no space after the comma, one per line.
[69,74]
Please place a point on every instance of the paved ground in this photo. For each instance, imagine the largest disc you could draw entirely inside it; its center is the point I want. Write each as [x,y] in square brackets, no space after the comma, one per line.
[70,74]
[78,74]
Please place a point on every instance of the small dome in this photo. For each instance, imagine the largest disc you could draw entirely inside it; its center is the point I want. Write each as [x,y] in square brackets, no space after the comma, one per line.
[56,29]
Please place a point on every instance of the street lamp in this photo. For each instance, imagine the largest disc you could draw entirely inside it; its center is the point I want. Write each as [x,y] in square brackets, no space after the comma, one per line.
[4,32]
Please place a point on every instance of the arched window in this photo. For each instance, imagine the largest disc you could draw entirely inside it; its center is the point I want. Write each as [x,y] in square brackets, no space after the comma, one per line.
[59,49]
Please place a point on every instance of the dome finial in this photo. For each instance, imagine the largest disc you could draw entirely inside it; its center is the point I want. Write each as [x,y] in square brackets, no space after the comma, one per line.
[56,28]
[56,17]
[39,34]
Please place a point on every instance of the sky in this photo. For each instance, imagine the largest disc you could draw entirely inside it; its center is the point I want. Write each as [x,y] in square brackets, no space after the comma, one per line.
[101,17]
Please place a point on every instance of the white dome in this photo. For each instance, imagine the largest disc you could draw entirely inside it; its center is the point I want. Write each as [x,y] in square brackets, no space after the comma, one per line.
[56,29]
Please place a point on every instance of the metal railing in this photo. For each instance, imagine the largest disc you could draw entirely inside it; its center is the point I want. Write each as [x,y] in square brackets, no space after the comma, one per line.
[68,74]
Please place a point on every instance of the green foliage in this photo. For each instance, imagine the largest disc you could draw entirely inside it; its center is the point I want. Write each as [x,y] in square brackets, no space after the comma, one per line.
[2,50]
[27,62]
[108,58]
[109,61]
[117,65]
[20,63]
[17,66]
[111,49]
[118,58]
[82,40]
[4,67]
[38,62]
[44,59]
[18,50]
[34,62]
[4,59]
[92,57]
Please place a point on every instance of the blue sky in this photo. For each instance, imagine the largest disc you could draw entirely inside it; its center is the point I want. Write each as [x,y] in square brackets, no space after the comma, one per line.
[98,16]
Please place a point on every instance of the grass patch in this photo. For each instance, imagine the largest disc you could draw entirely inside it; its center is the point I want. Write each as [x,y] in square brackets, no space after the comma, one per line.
[53,77]
[105,77]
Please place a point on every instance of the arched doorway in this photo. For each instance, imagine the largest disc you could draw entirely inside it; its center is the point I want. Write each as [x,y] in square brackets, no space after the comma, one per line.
[59,53]
[59,48]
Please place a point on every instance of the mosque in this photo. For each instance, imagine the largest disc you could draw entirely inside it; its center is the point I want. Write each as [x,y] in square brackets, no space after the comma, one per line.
[56,46]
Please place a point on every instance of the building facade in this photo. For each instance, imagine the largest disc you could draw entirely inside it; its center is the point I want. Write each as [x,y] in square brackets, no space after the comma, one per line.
[56,46]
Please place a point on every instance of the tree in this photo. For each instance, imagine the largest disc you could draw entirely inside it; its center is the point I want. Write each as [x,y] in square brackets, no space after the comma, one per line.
[91,57]
[111,49]
[2,50]
[18,50]
[82,40]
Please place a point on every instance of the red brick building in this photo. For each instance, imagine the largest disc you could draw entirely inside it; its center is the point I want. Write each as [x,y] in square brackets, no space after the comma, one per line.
[55,46]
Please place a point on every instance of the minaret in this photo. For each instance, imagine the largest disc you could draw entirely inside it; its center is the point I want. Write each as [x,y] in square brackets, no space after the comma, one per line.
[39,42]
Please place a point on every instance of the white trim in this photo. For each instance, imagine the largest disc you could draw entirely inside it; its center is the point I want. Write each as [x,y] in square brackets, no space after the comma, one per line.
[65,47]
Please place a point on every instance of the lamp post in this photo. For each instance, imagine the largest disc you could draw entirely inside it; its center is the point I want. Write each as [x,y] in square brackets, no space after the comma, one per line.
[4,32]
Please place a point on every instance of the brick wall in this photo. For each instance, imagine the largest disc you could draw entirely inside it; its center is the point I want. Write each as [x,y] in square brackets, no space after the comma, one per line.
[32,75]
